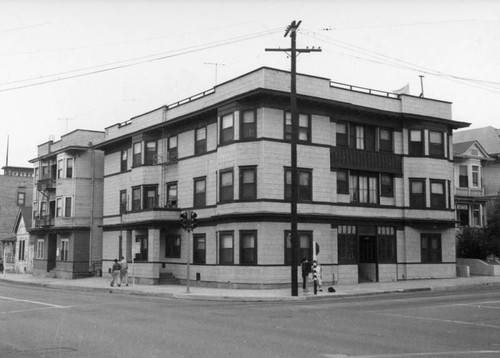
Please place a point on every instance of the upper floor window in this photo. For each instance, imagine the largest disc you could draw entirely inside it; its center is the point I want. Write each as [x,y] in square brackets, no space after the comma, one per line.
[21,199]
[69,167]
[430,248]
[436,144]
[123,160]
[60,168]
[137,154]
[416,145]
[385,140]
[417,193]
[304,127]
[68,206]
[226,189]
[45,172]
[342,182]
[200,140]
[123,201]
[386,185]
[363,188]
[304,184]
[200,193]
[463,177]
[475,175]
[172,195]
[438,197]
[150,196]
[248,124]
[248,183]
[172,149]
[342,135]
[151,151]
[136,198]
[227,128]
[59,207]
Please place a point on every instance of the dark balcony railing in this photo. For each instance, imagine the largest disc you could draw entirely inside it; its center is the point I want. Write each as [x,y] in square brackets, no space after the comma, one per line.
[46,184]
[349,158]
[44,221]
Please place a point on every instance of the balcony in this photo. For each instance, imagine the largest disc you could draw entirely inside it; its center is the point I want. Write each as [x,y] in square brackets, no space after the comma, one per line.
[46,184]
[356,159]
[470,192]
[44,221]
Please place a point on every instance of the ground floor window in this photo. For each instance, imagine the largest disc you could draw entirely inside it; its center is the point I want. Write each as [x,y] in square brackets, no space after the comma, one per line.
[386,242]
[248,247]
[64,249]
[142,255]
[347,245]
[173,246]
[199,249]
[40,248]
[430,248]
[22,244]
[226,248]
[305,246]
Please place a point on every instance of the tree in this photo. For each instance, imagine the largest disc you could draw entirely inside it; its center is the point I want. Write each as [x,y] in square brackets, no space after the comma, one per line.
[472,243]
[493,228]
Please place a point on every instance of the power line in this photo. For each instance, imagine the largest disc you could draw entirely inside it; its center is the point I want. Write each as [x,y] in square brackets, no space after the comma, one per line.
[135,61]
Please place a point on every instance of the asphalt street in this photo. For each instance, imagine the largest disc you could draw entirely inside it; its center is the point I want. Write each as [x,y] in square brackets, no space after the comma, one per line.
[47,322]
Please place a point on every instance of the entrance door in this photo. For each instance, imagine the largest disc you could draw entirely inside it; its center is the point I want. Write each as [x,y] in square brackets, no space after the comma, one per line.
[367,267]
[51,252]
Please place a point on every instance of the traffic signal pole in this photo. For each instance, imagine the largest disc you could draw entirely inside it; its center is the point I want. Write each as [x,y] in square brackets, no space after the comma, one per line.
[292,30]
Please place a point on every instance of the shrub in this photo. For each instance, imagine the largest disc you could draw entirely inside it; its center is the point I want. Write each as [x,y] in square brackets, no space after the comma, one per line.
[472,243]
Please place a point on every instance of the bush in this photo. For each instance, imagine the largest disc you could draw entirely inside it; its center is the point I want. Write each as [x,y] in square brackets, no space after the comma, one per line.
[473,243]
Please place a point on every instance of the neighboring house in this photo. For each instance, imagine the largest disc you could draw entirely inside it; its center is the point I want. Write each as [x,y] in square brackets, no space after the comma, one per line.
[375,184]
[489,138]
[24,243]
[16,190]
[67,206]
[470,201]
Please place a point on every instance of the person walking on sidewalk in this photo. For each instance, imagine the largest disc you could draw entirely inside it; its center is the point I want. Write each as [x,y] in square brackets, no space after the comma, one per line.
[115,273]
[124,271]
[306,269]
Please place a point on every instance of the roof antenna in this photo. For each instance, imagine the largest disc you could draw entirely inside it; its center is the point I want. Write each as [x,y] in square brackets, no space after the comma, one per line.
[7,155]
[216,64]
[421,85]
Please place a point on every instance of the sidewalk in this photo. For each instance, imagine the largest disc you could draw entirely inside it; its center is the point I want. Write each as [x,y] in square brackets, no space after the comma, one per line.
[101,284]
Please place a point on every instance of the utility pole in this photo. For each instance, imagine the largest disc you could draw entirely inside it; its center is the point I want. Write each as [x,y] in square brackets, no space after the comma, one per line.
[216,65]
[294,240]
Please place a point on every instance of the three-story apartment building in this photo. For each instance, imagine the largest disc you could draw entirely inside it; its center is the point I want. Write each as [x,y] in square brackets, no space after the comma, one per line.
[375,184]
[67,206]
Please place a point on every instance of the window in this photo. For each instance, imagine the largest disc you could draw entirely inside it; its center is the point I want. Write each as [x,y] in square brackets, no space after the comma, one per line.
[463,177]
[248,125]
[137,154]
[305,184]
[173,246]
[248,183]
[430,248]
[475,176]
[21,199]
[172,149]
[69,167]
[64,249]
[476,215]
[370,138]
[386,185]
[227,128]
[199,249]
[123,160]
[200,141]
[417,193]
[438,197]
[151,151]
[60,168]
[22,245]
[123,201]
[363,188]
[142,255]
[40,249]
[172,195]
[416,146]
[385,140]
[305,246]
[226,187]
[436,144]
[303,127]
[463,214]
[150,197]
[200,193]
[43,209]
[226,252]
[59,207]
[347,245]
[342,135]
[386,242]
[67,207]
[136,198]
[45,172]
[359,139]
[248,247]
[342,182]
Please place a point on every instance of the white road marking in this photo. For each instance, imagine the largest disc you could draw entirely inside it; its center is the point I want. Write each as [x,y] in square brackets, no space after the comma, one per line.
[34,302]
[427,354]
[442,320]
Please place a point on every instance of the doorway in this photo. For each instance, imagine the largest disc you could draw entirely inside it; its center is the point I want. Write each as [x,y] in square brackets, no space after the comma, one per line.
[367,266]
[51,252]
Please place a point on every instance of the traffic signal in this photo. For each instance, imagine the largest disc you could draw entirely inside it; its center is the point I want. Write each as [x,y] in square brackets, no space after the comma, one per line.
[194,222]
[184,219]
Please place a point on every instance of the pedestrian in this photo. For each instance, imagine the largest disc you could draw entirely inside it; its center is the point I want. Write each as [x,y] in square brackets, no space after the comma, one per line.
[306,269]
[124,271]
[115,273]
[319,276]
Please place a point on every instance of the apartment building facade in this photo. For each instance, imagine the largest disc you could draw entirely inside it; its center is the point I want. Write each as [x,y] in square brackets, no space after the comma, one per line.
[375,184]
[67,206]
[470,200]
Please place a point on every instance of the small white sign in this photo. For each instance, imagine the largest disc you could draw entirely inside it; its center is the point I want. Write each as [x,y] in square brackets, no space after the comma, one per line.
[136,248]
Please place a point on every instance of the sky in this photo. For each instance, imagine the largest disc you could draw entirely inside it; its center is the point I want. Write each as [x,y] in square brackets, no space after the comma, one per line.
[67,65]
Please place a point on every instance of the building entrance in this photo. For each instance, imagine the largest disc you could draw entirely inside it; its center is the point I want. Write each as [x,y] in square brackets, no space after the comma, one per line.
[367,266]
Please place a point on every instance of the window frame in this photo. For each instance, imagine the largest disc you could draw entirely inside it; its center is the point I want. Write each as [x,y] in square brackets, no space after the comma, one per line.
[347,245]
[245,187]
[416,148]
[21,250]
[248,130]
[136,154]
[173,246]
[302,130]
[372,189]
[151,152]
[70,163]
[143,254]
[68,199]
[428,254]
[227,133]
[59,207]
[438,200]
[21,198]
[385,145]
[463,180]
[303,251]
[436,150]
[417,200]
[199,255]
[171,201]
[60,168]
[122,202]
[226,254]
[342,183]
[200,145]
[226,192]
[305,192]
[40,249]
[342,139]
[386,189]
[386,245]
[199,198]
[64,254]
[147,204]
[136,202]
[124,160]
[475,176]
[244,251]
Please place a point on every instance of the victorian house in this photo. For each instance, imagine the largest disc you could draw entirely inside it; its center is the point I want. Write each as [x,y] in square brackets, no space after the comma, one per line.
[375,184]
